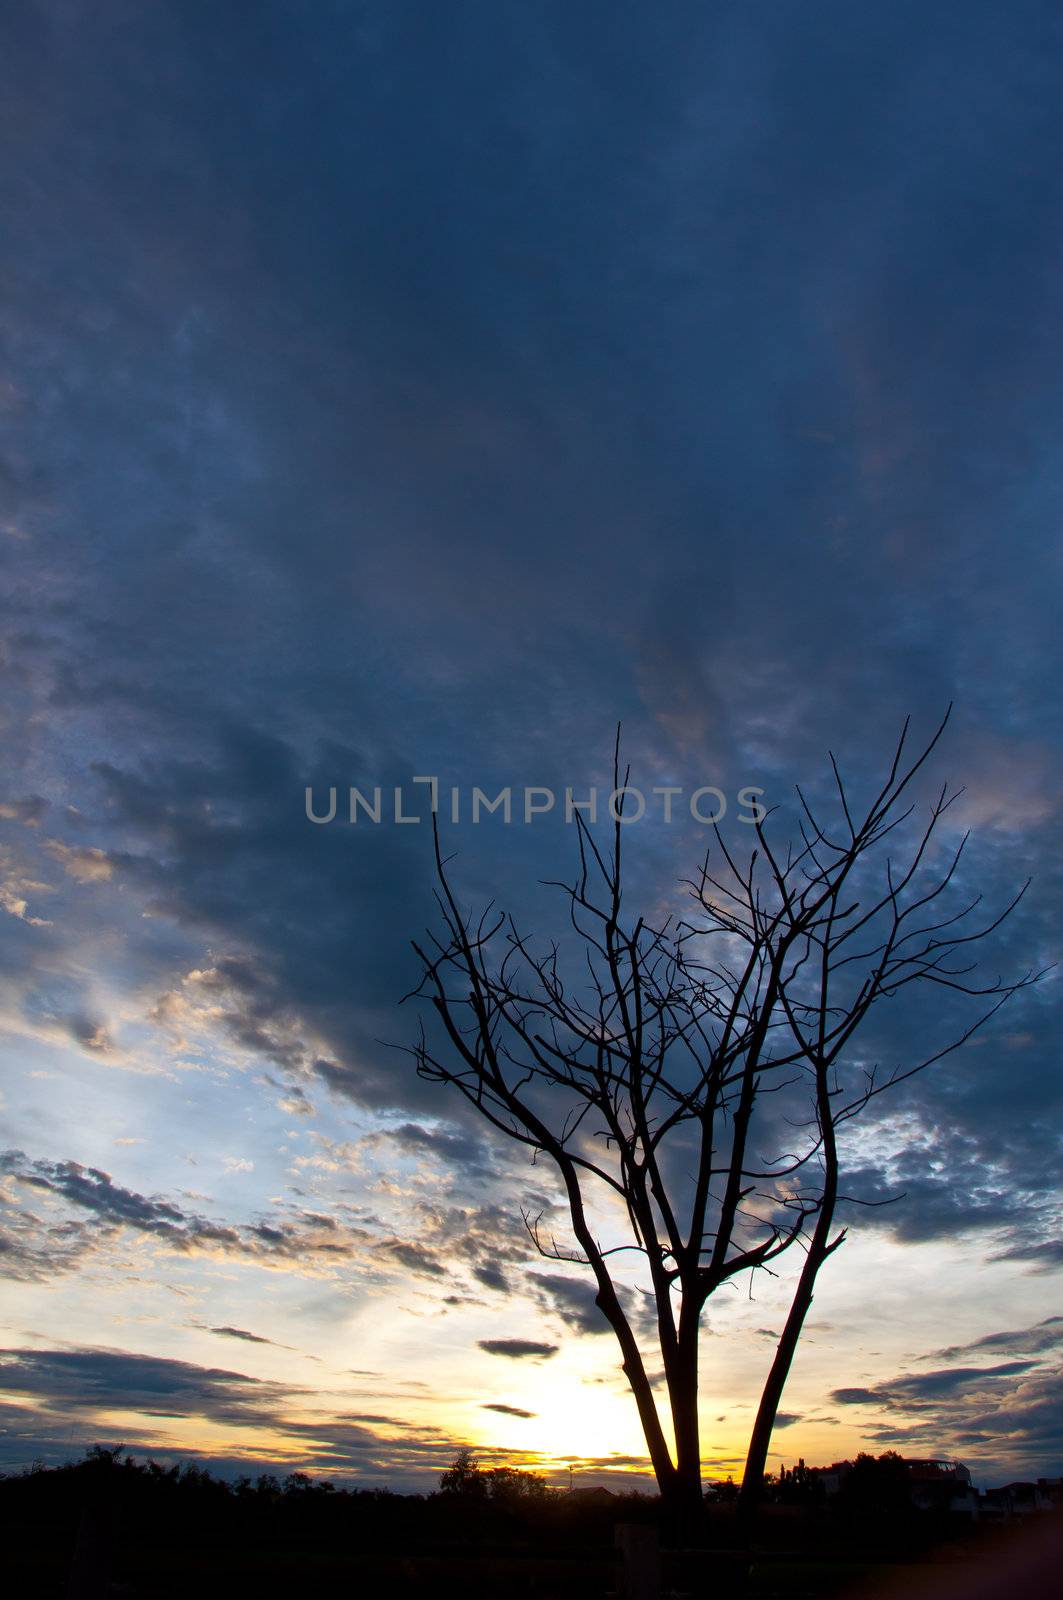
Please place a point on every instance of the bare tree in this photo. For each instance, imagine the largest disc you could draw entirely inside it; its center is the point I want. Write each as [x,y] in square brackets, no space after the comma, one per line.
[651,1064]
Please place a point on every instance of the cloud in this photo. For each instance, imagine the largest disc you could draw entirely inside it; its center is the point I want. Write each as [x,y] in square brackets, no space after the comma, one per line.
[93,1379]
[31,1248]
[29,812]
[1042,1336]
[518,1349]
[1045,1254]
[1006,1418]
[293,1099]
[73,1392]
[489,1240]
[298,1236]
[240,1333]
[942,1183]
[507,1411]
[93,1190]
[454,1148]
[416,1258]
[490,1274]
[84,863]
[90,1033]
[573,1299]
[936,1385]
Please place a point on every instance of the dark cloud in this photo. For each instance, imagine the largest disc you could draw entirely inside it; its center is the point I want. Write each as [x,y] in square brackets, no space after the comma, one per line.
[935,1385]
[518,1349]
[1005,1418]
[88,1380]
[490,1239]
[507,1411]
[491,1276]
[945,1183]
[94,1191]
[1044,1255]
[240,1333]
[454,1149]
[509,404]
[34,1248]
[416,1258]
[1043,1336]
[573,1299]
[73,1390]
[90,1032]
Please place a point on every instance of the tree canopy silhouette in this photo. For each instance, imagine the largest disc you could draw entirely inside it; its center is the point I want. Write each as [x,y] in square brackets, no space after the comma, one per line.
[655,1064]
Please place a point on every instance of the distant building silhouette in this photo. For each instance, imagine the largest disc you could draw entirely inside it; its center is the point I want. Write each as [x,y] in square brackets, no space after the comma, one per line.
[591,1495]
[941,1486]
[936,1483]
[1022,1498]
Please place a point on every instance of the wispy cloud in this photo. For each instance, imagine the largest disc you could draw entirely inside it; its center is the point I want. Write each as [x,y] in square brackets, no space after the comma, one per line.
[518,1349]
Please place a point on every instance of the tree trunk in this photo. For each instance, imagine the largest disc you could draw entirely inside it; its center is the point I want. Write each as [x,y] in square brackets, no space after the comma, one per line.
[639,1384]
[683,1509]
[820,1246]
[683,1504]
[753,1477]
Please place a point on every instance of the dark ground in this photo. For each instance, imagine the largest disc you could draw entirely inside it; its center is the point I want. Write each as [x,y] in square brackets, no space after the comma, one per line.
[106,1528]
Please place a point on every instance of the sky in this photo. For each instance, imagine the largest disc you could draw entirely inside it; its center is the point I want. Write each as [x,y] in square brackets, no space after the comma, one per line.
[392,391]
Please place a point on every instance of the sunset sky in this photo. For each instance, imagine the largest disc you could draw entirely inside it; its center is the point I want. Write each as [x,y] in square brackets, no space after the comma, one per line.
[394,390]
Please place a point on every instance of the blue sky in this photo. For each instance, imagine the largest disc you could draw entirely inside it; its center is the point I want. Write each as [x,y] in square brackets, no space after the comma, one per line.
[392,390]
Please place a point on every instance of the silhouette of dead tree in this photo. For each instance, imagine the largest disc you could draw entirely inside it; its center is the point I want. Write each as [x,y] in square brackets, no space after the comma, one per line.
[645,1069]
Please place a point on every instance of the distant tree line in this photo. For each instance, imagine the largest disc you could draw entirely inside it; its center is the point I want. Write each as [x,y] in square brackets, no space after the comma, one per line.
[113,1525]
